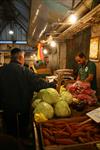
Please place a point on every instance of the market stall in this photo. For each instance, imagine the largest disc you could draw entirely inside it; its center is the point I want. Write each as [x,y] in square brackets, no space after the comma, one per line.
[68,133]
[59,117]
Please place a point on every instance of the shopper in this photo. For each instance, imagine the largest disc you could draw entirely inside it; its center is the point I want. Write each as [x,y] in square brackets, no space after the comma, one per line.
[86,70]
[17,85]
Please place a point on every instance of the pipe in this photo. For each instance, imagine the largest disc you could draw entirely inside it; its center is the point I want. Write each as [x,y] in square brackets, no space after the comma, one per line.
[81,24]
[83,8]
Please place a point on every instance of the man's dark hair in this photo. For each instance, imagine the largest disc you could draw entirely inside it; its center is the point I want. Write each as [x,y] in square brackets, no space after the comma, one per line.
[81,55]
[15,51]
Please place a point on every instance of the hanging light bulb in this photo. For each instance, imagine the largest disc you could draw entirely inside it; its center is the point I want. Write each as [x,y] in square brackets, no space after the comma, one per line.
[11,28]
[11,32]
[72,19]
[45,51]
[53,43]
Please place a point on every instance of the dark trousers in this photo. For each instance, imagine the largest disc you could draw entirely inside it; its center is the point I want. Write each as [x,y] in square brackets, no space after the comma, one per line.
[16,124]
[20,125]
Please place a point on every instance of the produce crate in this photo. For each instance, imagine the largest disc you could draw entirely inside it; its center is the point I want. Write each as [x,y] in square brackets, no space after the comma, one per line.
[62,134]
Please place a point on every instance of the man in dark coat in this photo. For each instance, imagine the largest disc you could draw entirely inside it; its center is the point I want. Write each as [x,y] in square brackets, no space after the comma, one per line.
[17,84]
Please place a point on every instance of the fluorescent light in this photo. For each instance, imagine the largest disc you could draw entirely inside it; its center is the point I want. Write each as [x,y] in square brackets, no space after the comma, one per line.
[21,42]
[6,42]
[10,42]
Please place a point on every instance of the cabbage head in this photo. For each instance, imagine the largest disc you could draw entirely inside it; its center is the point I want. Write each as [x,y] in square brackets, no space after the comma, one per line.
[44,108]
[49,95]
[34,96]
[67,96]
[36,102]
[62,109]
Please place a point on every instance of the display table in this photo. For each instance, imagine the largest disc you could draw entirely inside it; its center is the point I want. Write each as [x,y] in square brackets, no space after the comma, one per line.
[50,127]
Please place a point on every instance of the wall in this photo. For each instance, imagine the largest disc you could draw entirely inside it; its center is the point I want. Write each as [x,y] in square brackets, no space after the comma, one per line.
[63,55]
[53,59]
[80,42]
[69,49]
[6,48]
[95,32]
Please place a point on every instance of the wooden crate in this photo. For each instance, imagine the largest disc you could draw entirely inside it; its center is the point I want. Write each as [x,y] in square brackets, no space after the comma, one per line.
[78,146]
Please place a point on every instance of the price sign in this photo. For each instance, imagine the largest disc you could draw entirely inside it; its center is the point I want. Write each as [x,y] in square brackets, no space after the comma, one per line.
[95,115]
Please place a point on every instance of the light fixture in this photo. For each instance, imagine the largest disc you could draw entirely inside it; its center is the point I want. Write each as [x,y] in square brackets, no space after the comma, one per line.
[31,56]
[11,27]
[53,43]
[11,32]
[45,51]
[34,57]
[72,19]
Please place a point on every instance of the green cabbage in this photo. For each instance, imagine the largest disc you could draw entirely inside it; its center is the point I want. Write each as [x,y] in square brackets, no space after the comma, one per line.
[67,96]
[34,96]
[36,102]
[62,109]
[49,95]
[45,108]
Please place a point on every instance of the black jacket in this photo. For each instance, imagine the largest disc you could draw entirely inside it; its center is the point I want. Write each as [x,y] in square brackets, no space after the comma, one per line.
[17,84]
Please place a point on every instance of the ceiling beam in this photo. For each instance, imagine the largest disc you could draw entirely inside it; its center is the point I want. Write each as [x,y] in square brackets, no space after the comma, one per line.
[84,22]
[21,24]
[25,3]
[4,24]
[20,14]
[12,9]
[73,3]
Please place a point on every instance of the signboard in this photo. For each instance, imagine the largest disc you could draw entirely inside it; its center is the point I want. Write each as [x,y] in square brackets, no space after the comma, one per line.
[94,47]
[95,115]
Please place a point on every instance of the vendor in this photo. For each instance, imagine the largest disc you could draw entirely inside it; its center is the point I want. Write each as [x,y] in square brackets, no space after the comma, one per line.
[86,70]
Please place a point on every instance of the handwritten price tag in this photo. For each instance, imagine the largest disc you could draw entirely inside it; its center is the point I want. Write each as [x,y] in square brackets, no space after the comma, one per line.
[95,115]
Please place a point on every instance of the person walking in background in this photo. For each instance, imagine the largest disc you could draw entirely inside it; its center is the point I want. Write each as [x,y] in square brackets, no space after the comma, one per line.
[17,85]
[86,70]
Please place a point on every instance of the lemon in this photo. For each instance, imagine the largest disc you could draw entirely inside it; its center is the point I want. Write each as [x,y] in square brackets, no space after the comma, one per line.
[40,117]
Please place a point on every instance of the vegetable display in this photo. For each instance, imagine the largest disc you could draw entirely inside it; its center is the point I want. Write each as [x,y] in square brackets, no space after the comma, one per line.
[50,103]
[36,102]
[67,96]
[45,108]
[62,109]
[82,91]
[68,132]
[49,95]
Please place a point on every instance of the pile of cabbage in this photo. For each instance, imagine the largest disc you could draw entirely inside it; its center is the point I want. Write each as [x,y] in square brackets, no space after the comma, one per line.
[51,103]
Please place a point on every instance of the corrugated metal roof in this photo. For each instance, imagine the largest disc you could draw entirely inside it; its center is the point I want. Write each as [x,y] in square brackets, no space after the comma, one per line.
[44,13]
[14,14]
[32,19]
